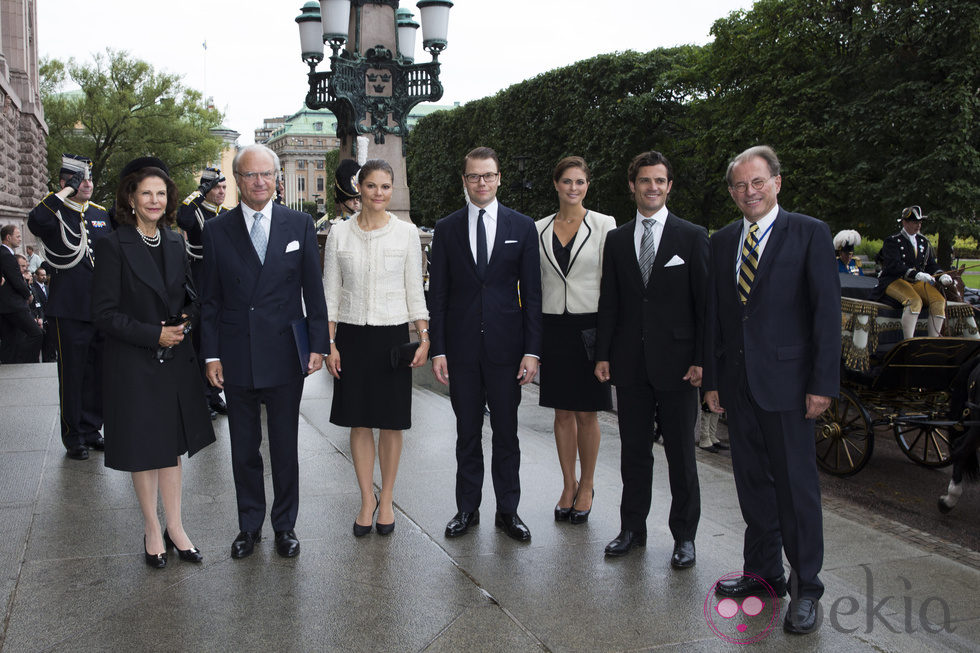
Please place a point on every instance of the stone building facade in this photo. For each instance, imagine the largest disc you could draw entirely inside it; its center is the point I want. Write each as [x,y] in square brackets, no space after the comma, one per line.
[23,132]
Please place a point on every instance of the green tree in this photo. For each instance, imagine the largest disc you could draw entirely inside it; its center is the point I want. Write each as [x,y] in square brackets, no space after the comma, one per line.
[125,109]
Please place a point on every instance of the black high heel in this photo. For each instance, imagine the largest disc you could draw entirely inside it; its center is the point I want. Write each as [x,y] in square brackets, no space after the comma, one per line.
[385,529]
[155,560]
[361,531]
[192,554]
[561,514]
[580,516]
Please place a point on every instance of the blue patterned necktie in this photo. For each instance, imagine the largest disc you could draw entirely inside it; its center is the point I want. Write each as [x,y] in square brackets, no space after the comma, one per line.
[259,240]
[648,250]
[481,246]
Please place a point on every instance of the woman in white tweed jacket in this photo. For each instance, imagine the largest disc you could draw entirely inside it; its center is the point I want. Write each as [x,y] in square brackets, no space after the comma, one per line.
[373,284]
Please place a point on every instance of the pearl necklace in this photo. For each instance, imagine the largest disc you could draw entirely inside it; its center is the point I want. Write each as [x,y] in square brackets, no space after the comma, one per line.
[151,241]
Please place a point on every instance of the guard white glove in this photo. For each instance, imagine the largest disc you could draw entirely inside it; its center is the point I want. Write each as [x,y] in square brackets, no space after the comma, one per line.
[922,276]
[946,280]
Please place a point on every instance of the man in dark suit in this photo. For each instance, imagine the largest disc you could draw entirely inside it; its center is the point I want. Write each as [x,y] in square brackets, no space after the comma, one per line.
[202,205]
[485,307]
[261,266]
[20,335]
[69,225]
[49,345]
[773,361]
[649,345]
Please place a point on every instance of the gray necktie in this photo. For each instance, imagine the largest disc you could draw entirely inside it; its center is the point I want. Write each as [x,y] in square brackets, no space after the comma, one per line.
[259,240]
[648,249]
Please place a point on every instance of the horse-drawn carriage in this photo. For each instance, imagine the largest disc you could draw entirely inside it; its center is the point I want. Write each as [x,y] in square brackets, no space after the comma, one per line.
[888,381]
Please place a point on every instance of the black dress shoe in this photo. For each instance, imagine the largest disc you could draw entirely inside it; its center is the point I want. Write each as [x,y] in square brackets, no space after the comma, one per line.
[155,560]
[98,444]
[244,544]
[801,617]
[287,545]
[192,554]
[561,514]
[722,446]
[625,541]
[385,529]
[219,406]
[580,516]
[513,526]
[714,448]
[361,531]
[750,586]
[683,556]
[77,452]
[461,522]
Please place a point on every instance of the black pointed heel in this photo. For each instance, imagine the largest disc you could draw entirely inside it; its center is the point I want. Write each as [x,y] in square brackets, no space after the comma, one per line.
[192,554]
[155,560]
[361,531]
[580,516]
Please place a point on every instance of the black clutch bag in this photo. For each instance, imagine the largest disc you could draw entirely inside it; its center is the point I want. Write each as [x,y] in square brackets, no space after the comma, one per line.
[588,339]
[402,355]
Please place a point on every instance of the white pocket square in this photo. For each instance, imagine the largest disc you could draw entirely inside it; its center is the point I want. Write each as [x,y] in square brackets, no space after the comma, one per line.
[508,242]
[676,260]
[292,247]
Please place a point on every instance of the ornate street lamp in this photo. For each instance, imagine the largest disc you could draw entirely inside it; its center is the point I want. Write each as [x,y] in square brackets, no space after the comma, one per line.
[373,82]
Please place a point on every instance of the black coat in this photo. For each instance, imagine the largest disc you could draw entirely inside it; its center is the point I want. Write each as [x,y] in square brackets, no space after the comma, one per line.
[14,292]
[153,411]
[899,260]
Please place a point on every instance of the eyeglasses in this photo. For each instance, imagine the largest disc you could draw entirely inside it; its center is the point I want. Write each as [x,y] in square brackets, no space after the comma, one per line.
[250,176]
[488,177]
[757,184]
[912,213]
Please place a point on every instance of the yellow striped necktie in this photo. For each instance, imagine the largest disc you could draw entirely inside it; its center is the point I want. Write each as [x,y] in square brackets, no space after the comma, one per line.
[750,263]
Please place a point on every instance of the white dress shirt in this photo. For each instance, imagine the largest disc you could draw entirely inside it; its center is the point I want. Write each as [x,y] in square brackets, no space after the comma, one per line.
[657,229]
[765,222]
[266,222]
[489,224]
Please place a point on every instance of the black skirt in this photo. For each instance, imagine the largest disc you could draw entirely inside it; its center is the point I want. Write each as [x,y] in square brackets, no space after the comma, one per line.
[567,375]
[369,393]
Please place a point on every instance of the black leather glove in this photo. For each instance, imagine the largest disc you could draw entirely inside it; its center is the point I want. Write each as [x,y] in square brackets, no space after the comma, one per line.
[75,181]
[207,186]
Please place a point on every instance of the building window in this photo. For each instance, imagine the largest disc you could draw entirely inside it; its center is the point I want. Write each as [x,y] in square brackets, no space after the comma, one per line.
[301,164]
[319,184]
[318,126]
[301,184]
[319,164]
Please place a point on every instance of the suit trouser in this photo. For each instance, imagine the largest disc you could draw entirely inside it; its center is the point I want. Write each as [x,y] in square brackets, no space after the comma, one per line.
[245,427]
[211,393]
[774,461]
[471,386]
[20,337]
[79,379]
[676,412]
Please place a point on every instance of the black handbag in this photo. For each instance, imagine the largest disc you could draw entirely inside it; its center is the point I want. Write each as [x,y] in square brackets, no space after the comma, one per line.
[403,355]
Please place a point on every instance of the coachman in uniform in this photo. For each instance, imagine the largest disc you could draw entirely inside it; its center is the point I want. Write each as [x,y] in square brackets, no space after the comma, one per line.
[68,225]
[199,207]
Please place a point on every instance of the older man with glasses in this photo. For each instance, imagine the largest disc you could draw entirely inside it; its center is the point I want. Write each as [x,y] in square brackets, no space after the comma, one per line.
[909,272]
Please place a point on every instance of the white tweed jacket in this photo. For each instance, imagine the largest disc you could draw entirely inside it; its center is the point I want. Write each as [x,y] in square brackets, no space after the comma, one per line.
[374,277]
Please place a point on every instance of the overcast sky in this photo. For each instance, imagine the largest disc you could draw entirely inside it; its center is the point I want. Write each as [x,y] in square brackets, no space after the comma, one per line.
[252,66]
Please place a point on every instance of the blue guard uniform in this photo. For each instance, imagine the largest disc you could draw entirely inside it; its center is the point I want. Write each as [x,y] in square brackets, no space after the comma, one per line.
[68,231]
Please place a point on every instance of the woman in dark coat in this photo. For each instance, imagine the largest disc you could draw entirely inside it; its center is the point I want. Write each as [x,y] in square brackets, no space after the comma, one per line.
[152,384]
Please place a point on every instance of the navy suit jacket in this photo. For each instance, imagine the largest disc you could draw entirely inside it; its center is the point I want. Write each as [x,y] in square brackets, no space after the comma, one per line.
[789,332]
[506,306]
[653,332]
[247,307]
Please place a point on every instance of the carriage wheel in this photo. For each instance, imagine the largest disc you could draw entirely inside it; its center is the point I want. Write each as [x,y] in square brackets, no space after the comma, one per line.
[924,444]
[844,436]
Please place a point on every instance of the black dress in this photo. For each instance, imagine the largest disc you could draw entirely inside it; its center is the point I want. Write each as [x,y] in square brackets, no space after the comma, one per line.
[154,411]
[567,378]
[369,392]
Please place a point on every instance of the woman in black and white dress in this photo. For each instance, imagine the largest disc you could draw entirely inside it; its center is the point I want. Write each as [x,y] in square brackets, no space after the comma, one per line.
[571,243]
[373,284]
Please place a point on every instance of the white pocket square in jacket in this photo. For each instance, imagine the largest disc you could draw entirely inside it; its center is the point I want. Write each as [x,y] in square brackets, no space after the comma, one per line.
[676,260]
[508,242]
[294,245]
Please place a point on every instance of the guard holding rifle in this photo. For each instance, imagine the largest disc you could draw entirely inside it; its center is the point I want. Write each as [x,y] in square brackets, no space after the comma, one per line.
[199,207]
[69,224]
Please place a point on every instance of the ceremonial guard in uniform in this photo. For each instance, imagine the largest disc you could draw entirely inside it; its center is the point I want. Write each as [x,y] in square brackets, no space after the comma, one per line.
[346,192]
[844,243]
[909,273]
[199,207]
[68,225]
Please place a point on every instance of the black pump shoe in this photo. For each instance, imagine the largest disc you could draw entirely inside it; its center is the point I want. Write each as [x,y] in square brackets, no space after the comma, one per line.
[361,531]
[155,560]
[580,516]
[192,554]
[561,514]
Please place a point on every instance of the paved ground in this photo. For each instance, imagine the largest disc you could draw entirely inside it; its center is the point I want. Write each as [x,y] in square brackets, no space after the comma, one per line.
[72,577]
